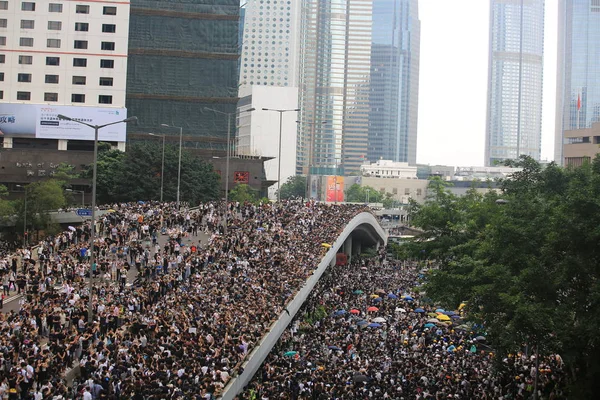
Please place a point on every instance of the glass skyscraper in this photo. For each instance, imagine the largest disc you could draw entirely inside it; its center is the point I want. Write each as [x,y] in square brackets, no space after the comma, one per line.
[515,72]
[578,72]
[394,95]
[335,65]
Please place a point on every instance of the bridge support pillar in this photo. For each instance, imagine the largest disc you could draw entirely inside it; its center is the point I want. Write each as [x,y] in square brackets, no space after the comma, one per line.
[348,246]
[357,247]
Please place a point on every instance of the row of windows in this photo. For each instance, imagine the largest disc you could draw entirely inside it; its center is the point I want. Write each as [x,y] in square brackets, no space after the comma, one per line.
[55,61]
[58,8]
[77,80]
[57,25]
[48,96]
[56,43]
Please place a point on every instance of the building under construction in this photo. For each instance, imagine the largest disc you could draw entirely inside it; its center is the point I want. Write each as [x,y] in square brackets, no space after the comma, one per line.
[183,57]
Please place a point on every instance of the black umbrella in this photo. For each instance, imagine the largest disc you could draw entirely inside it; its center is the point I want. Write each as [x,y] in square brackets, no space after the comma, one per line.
[360,378]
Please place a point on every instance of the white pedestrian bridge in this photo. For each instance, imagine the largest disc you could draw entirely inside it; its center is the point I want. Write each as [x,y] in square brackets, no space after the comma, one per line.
[362,231]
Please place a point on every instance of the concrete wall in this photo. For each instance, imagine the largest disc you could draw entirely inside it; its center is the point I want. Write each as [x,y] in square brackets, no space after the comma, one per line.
[260,352]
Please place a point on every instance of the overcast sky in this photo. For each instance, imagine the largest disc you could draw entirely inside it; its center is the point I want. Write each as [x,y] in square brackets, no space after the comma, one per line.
[453,81]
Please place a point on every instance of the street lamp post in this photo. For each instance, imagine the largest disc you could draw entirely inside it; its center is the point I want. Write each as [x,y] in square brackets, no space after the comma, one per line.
[78,191]
[228,155]
[24,219]
[279,154]
[179,163]
[162,168]
[367,190]
[94,179]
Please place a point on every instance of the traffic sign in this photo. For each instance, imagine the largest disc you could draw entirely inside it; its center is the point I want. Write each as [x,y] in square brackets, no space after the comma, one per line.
[83,212]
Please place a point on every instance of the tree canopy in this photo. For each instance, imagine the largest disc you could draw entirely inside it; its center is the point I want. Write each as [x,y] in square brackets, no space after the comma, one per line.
[7,208]
[294,187]
[242,193]
[358,194]
[526,261]
[41,197]
[136,175]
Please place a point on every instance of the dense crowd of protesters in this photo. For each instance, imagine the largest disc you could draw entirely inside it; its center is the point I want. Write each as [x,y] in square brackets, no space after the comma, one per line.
[366,333]
[181,329]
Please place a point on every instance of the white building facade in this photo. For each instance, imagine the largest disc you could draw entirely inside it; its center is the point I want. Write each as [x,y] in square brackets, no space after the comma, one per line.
[269,79]
[389,169]
[63,53]
[259,131]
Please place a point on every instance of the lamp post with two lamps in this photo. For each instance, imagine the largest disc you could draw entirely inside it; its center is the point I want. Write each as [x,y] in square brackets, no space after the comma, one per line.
[228,155]
[179,162]
[96,128]
[162,168]
[279,154]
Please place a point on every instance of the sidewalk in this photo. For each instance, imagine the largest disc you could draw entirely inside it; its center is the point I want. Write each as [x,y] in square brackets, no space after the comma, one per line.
[12,294]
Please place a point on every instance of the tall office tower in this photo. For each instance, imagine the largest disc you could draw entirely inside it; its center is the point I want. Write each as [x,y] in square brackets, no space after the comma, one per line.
[269,79]
[335,67]
[59,57]
[394,95]
[183,57]
[578,72]
[515,72]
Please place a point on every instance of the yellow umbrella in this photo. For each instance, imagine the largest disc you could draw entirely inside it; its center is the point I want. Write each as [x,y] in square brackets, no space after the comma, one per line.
[462,305]
[326,245]
[374,296]
[443,317]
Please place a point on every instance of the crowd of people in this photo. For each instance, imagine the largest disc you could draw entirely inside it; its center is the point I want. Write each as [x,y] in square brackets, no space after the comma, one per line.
[366,332]
[172,316]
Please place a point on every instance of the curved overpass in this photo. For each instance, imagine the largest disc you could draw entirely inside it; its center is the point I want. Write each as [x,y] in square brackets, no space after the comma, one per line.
[362,230]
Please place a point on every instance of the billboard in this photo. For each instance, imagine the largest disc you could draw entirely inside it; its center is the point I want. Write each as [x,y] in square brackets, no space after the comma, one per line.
[41,121]
[335,188]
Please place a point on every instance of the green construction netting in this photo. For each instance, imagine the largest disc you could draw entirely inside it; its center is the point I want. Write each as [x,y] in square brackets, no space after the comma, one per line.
[182,58]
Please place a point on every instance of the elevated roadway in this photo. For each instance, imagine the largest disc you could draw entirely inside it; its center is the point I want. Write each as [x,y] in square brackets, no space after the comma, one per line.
[362,231]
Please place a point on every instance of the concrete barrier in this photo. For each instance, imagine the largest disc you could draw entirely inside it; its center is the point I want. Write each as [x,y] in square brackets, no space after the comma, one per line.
[260,352]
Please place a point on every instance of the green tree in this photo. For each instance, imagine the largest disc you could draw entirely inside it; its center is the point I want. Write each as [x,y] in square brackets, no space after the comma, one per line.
[388,201]
[525,262]
[42,197]
[294,187]
[65,173]
[109,175]
[243,193]
[142,163]
[358,194]
[7,209]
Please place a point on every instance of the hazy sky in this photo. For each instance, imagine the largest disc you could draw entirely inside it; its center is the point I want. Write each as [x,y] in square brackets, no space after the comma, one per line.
[453,81]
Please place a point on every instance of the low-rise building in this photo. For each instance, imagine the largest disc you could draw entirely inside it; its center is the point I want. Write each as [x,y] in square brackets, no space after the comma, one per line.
[389,169]
[581,145]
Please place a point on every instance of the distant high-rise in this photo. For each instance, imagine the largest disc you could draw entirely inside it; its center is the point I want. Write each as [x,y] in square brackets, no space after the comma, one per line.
[515,72]
[394,96]
[334,86]
[578,72]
